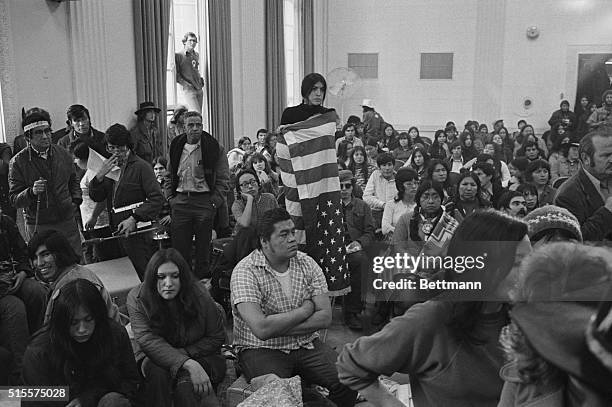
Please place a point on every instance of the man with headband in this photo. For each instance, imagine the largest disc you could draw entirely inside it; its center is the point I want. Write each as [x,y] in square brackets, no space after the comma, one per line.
[42,180]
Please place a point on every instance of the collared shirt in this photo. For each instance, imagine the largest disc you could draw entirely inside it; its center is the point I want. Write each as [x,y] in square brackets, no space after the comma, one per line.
[379,191]
[602,188]
[253,281]
[457,165]
[190,170]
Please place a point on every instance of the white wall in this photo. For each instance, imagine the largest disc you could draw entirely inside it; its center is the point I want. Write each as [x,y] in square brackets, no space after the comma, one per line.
[42,61]
[399,30]
[44,55]
[248,67]
[546,68]
[121,64]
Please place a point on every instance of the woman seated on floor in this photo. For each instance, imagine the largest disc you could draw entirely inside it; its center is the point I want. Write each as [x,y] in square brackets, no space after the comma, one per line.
[84,349]
[179,329]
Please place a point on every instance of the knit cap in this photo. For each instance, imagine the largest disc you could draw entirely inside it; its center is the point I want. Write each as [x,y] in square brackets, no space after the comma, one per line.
[552,217]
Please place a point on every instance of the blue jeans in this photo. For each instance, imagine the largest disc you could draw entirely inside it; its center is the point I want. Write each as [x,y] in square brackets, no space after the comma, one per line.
[315,366]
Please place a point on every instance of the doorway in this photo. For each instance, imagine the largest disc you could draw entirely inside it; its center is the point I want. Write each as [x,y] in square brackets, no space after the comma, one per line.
[592,77]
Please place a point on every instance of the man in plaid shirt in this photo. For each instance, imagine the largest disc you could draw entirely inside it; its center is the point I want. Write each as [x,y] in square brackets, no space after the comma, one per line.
[279,302]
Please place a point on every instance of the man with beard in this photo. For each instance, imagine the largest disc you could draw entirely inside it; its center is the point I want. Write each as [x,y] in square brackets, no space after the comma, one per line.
[134,197]
[588,194]
[603,115]
[513,203]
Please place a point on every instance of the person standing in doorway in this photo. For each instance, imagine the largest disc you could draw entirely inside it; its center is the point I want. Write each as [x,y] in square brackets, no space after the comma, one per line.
[188,76]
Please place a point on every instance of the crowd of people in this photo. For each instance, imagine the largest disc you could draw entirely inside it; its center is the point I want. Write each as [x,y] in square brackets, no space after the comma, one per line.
[540,204]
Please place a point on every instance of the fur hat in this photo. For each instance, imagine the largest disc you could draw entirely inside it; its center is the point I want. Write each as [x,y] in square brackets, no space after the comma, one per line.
[552,217]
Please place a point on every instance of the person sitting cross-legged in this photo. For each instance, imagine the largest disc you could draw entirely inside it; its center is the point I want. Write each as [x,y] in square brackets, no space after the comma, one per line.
[179,330]
[279,302]
[83,349]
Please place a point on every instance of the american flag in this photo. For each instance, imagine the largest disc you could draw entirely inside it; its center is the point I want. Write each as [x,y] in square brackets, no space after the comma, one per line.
[306,156]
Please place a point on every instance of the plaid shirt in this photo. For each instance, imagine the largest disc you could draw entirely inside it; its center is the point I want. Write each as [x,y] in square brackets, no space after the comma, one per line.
[253,281]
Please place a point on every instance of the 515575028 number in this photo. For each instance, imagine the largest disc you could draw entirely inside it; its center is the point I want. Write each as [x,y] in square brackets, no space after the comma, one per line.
[36,393]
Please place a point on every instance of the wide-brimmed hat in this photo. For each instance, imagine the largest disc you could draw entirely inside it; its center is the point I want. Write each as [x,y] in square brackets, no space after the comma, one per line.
[144,106]
[368,103]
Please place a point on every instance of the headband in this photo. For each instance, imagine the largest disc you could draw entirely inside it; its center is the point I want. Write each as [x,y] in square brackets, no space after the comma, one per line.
[30,126]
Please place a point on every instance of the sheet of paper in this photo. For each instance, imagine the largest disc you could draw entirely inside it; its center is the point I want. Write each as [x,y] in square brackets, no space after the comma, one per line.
[95,162]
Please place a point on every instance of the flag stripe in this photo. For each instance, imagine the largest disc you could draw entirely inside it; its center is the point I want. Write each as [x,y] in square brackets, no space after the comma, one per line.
[306,162]
[291,194]
[300,236]
[307,158]
[294,208]
[312,144]
[315,174]
[329,117]
[314,189]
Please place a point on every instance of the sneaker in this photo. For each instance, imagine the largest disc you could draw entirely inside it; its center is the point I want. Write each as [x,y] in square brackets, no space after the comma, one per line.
[352,321]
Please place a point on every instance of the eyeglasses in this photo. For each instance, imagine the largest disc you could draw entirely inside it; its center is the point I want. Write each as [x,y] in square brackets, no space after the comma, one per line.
[192,40]
[251,183]
[116,149]
[346,186]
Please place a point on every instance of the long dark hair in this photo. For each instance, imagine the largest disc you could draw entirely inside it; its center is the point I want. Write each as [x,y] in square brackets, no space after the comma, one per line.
[353,165]
[57,244]
[496,234]
[457,199]
[418,138]
[404,174]
[258,157]
[436,150]
[92,355]
[425,185]
[432,166]
[163,322]
[425,158]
